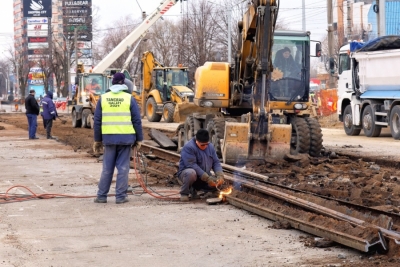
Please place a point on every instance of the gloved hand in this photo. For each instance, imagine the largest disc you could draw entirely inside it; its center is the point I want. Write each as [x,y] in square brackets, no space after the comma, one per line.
[212,181]
[97,146]
[205,177]
[220,178]
[138,144]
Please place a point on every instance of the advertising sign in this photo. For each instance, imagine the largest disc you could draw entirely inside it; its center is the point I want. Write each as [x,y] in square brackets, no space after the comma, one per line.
[83,53]
[37,39]
[77,3]
[37,8]
[37,33]
[38,45]
[80,28]
[39,56]
[81,45]
[38,27]
[37,21]
[77,12]
[77,20]
[33,82]
[81,36]
[85,61]
[36,52]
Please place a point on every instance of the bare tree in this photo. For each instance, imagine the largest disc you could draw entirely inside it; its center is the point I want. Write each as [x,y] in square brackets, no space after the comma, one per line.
[164,39]
[114,36]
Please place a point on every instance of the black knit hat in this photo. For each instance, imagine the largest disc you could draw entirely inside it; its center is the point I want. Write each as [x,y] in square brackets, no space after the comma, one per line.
[202,136]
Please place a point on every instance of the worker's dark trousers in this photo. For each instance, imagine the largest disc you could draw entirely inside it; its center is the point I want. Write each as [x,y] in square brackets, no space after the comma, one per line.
[187,177]
[115,156]
[48,124]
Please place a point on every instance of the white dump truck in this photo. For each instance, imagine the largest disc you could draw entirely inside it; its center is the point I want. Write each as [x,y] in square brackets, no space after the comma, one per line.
[369,86]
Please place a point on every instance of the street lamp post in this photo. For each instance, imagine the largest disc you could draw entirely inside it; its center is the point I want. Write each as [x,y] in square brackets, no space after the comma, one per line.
[68,74]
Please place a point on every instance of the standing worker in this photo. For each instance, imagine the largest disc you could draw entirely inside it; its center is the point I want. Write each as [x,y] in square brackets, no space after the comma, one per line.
[198,157]
[32,111]
[117,126]
[49,113]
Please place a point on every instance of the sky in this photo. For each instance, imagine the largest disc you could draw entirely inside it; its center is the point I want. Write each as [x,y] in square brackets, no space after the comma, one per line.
[109,11]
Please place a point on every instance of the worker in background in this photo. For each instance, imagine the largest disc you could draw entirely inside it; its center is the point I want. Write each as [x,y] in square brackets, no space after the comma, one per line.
[92,87]
[117,126]
[49,113]
[32,111]
[198,158]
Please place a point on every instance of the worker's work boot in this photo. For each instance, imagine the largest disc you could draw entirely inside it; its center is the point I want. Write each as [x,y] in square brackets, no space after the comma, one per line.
[120,201]
[51,137]
[184,198]
[99,200]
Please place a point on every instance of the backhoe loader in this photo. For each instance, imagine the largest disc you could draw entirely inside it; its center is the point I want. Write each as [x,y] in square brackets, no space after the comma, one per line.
[263,98]
[165,91]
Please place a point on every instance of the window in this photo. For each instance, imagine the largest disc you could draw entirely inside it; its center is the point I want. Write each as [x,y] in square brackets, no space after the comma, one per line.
[344,63]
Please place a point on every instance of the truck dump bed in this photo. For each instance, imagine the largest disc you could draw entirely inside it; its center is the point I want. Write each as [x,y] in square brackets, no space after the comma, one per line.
[379,61]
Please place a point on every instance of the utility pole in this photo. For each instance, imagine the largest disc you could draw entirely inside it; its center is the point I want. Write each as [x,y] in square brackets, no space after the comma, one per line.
[304,16]
[381,17]
[330,41]
[229,34]
[76,49]
[349,33]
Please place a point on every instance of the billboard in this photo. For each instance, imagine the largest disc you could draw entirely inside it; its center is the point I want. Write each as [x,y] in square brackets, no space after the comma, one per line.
[81,36]
[77,20]
[38,27]
[37,8]
[36,57]
[37,40]
[77,3]
[77,12]
[37,33]
[38,45]
[37,21]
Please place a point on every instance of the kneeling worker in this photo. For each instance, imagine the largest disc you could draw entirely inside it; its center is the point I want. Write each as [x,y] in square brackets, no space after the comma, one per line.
[198,157]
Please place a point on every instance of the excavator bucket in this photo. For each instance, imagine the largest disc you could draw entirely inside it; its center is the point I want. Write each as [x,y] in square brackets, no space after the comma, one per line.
[184,109]
[279,143]
[236,142]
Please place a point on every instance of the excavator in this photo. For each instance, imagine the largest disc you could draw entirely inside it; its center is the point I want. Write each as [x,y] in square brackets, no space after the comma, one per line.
[90,86]
[165,93]
[263,97]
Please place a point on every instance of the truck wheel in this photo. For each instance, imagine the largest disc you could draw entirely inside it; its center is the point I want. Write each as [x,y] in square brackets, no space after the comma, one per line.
[300,141]
[348,126]
[395,122]
[85,118]
[189,128]
[75,122]
[151,110]
[168,112]
[315,137]
[368,123]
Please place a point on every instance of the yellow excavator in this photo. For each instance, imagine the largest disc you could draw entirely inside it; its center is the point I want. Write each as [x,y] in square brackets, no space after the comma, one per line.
[165,93]
[262,98]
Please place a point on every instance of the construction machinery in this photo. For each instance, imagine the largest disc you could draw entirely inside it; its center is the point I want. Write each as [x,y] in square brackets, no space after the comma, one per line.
[165,91]
[85,99]
[263,103]
[369,87]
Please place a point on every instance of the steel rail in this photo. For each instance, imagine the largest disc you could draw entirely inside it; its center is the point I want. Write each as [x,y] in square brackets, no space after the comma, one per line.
[265,179]
[285,197]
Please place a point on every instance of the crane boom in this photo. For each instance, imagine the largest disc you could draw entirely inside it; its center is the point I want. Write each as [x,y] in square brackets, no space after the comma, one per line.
[133,36]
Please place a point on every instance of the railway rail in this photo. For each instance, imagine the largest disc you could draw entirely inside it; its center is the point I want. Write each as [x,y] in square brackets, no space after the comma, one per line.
[360,227]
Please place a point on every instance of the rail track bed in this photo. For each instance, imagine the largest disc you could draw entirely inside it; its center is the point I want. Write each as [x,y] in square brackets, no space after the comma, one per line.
[355,225]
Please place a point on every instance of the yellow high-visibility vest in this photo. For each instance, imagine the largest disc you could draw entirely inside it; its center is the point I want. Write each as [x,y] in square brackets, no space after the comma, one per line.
[116,113]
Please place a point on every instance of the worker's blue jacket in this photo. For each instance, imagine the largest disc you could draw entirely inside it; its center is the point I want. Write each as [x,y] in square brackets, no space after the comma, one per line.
[49,109]
[118,139]
[199,160]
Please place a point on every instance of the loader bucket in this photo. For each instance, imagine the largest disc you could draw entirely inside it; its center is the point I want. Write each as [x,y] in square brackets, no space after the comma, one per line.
[182,110]
[279,143]
[236,142]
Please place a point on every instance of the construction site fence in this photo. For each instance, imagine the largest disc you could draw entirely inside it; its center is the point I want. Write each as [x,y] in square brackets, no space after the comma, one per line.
[325,101]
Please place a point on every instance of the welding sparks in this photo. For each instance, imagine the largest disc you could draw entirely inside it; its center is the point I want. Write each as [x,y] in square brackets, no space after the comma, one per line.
[225,192]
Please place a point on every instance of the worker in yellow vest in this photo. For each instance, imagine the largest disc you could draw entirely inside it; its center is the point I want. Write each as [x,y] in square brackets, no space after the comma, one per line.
[117,126]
